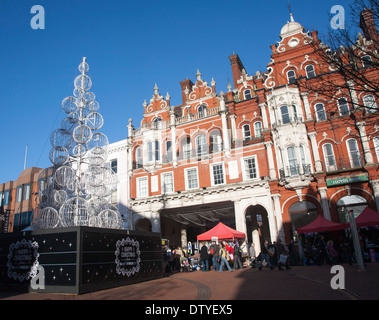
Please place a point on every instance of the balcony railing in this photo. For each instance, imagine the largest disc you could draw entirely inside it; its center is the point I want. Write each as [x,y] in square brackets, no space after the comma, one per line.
[280,122]
[162,125]
[291,171]
[342,164]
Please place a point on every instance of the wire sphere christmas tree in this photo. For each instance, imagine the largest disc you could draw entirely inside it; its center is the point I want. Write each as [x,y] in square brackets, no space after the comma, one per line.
[76,190]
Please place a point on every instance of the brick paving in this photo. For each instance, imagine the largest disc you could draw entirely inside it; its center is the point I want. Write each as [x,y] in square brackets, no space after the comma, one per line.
[298,283]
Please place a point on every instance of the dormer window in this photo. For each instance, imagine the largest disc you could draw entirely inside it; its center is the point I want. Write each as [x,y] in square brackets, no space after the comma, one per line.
[310,70]
[247,94]
[202,111]
[291,76]
[157,123]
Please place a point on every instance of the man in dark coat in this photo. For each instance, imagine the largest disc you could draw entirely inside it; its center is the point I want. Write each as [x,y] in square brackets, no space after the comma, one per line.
[204,256]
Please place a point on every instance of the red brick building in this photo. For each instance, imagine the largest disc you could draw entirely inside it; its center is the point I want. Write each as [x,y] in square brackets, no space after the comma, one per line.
[268,153]
[18,199]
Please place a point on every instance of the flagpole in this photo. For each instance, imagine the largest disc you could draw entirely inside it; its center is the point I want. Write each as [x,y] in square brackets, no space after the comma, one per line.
[26,152]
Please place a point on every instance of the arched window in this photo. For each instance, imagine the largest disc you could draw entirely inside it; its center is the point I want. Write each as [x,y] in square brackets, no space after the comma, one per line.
[301,214]
[343,107]
[157,151]
[305,165]
[258,129]
[149,151]
[168,151]
[320,112]
[294,109]
[366,61]
[376,146]
[370,103]
[354,154]
[291,76]
[310,70]
[201,145]
[157,123]
[247,94]
[202,111]
[216,141]
[186,147]
[285,114]
[139,158]
[292,161]
[353,202]
[330,160]
[246,131]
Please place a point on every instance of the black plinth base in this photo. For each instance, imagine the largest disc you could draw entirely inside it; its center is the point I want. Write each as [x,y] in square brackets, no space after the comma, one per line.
[78,259]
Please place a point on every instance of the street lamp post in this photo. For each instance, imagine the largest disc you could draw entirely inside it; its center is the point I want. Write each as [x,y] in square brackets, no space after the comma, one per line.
[357,247]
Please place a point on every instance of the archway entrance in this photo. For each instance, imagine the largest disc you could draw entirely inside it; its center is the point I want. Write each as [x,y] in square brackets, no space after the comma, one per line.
[301,214]
[257,220]
[347,203]
[143,225]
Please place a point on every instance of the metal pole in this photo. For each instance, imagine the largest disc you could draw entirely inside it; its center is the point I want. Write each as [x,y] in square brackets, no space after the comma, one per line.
[26,152]
[357,247]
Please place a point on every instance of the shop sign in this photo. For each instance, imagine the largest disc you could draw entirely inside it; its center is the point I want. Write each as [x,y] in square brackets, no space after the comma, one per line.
[346,180]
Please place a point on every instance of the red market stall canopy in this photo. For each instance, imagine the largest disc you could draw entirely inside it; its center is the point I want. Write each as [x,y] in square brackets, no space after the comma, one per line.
[320,224]
[221,231]
[368,217]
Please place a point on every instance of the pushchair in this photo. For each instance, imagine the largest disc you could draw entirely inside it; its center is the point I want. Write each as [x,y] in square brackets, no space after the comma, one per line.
[184,265]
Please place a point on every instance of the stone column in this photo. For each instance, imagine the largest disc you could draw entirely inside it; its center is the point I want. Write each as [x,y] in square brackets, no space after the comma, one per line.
[234,127]
[270,158]
[278,214]
[316,155]
[375,188]
[155,222]
[225,129]
[366,147]
[324,202]
[264,115]
[307,108]
[183,237]
[173,138]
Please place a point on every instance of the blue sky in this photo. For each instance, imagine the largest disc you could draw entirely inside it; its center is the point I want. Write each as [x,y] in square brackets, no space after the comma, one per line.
[130,46]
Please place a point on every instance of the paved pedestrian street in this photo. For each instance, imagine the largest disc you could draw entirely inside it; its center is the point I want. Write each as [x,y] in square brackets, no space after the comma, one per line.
[298,283]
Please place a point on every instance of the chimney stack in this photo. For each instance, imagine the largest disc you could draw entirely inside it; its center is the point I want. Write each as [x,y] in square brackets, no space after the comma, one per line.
[186,83]
[237,68]
[367,24]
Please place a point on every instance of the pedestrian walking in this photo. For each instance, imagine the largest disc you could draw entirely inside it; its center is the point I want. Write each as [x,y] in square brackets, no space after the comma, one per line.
[204,257]
[332,252]
[237,253]
[224,258]
[253,255]
[215,250]
[292,255]
[264,255]
[282,255]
